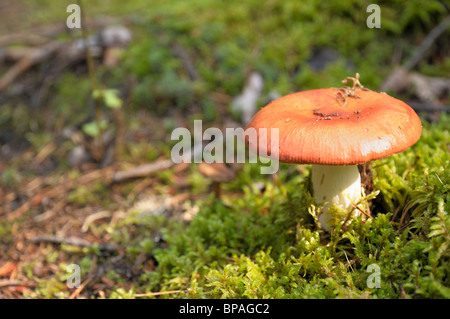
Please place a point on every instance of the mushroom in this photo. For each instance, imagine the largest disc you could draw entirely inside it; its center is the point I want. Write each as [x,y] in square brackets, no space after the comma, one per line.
[218,173]
[335,129]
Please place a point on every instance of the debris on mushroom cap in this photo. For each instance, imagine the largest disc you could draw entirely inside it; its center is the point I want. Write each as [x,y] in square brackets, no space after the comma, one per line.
[218,172]
[331,127]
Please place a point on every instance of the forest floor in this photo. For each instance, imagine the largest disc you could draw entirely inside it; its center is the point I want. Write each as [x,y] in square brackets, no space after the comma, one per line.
[110,205]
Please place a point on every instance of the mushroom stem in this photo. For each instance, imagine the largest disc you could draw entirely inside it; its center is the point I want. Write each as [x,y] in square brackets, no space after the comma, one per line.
[338,185]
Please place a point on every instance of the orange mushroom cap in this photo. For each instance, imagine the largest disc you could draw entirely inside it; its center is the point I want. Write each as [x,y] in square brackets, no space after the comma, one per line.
[326,127]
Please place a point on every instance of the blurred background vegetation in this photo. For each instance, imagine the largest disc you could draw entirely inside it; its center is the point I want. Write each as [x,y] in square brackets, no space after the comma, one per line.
[294,45]
[187,60]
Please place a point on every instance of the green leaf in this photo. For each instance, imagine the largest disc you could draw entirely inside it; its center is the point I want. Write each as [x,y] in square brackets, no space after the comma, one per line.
[443,290]
[109,96]
[97,94]
[91,128]
[436,232]
[112,99]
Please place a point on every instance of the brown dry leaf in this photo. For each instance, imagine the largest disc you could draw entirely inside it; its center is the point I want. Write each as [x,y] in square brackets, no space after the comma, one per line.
[108,282]
[7,269]
[22,289]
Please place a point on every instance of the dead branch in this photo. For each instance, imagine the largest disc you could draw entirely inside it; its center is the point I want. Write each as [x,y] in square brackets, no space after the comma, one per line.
[53,191]
[423,107]
[159,293]
[80,289]
[24,38]
[142,170]
[32,58]
[427,43]
[428,90]
[185,59]
[9,283]
[14,54]
[94,217]
[50,239]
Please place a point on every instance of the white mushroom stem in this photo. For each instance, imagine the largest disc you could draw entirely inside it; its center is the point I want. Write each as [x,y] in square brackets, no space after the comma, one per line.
[338,185]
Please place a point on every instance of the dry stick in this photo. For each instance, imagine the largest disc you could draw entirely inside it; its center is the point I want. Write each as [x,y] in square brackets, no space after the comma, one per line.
[418,107]
[94,217]
[357,207]
[160,293]
[53,191]
[402,291]
[147,169]
[146,182]
[15,53]
[19,211]
[71,241]
[181,53]
[347,219]
[395,213]
[120,137]
[91,71]
[28,38]
[28,61]
[63,59]
[426,44]
[44,153]
[217,189]
[80,289]
[8,283]
[94,175]
[142,170]
[405,211]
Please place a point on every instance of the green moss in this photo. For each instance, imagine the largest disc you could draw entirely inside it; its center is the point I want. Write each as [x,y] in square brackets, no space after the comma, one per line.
[83,195]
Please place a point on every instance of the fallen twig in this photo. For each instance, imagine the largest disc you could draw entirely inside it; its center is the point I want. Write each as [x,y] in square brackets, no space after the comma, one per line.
[9,283]
[28,38]
[427,42]
[63,186]
[19,211]
[185,59]
[142,170]
[33,57]
[427,89]
[147,169]
[159,293]
[93,217]
[80,289]
[73,242]
[419,107]
[357,207]
[44,153]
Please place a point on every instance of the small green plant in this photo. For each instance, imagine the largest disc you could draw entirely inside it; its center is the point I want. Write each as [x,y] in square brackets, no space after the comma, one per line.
[108,97]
